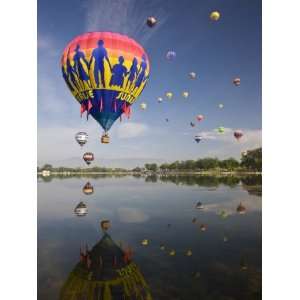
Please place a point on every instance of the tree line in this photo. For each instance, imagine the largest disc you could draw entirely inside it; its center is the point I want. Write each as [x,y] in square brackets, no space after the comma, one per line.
[250,160]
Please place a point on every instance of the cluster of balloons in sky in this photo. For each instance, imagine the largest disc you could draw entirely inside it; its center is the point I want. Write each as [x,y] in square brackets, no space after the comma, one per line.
[106,72]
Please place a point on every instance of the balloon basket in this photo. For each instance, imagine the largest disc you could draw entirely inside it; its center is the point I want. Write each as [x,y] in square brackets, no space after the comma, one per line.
[105,139]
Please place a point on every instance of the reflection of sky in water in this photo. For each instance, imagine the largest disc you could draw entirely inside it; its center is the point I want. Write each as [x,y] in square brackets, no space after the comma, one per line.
[141,210]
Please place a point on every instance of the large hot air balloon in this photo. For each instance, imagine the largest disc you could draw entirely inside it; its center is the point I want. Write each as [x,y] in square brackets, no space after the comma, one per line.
[171,55]
[200,118]
[238,134]
[105,72]
[81,138]
[88,157]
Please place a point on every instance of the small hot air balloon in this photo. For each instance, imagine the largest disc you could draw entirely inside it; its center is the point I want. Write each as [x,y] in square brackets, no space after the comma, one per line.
[221,105]
[145,242]
[143,106]
[223,214]
[241,209]
[221,129]
[189,252]
[203,227]
[215,16]
[169,95]
[105,225]
[238,134]
[151,22]
[88,189]
[200,118]
[81,138]
[198,138]
[167,120]
[192,75]
[88,157]
[159,99]
[81,210]
[192,124]
[185,94]
[171,55]
[236,81]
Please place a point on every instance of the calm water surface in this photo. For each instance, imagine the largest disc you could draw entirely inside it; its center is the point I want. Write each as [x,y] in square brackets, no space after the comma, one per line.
[226,258]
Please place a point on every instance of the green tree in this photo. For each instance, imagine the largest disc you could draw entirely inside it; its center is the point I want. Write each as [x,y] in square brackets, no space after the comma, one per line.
[252,159]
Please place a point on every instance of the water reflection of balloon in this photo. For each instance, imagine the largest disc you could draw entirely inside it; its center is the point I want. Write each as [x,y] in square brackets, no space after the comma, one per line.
[81,210]
[162,247]
[88,189]
[105,225]
[203,227]
[199,205]
[88,157]
[105,72]
[241,209]
[172,252]
[81,138]
[105,272]
[145,242]
[189,253]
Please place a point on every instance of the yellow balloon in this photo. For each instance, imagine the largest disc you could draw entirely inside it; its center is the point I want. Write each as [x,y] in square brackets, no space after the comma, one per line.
[215,16]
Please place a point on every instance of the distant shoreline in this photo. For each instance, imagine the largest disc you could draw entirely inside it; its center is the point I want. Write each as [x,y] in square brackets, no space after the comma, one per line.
[214,173]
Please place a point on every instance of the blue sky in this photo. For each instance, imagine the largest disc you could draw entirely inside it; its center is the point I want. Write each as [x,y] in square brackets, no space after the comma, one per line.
[216,51]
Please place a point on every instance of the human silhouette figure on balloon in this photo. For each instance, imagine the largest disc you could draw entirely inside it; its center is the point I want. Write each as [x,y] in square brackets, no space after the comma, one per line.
[141,78]
[66,78]
[132,73]
[119,71]
[99,54]
[78,58]
[71,72]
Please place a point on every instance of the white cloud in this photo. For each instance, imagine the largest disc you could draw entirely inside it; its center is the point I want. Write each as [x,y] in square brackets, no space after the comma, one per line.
[47,45]
[124,16]
[131,130]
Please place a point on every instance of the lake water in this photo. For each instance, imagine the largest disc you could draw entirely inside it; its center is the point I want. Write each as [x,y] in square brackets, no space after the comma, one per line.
[226,257]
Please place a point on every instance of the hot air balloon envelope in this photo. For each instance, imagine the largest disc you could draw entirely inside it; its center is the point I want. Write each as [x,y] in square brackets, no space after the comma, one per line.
[236,81]
[200,118]
[143,106]
[185,94]
[88,157]
[105,72]
[215,16]
[238,134]
[151,21]
[169,95]
[159,99]
[192,75]
[81,138]
[171,55]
